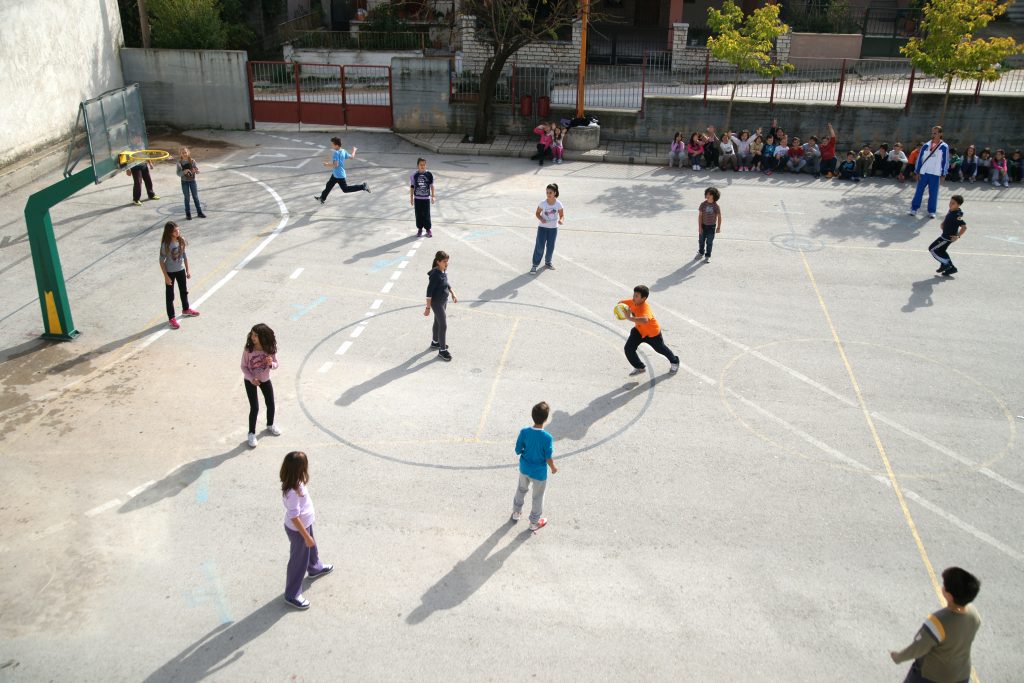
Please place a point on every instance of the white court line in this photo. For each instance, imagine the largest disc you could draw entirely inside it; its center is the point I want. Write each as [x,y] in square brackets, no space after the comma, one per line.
[800,377]
[977,533]
[416,245]
[368,314]
[395,275]
[403,264]
[54,528]
[139,489]
[325,367]
[387,287]
[343,348]
[296,274]
[242,264]
[412,252]
[358,331]
[376,304]
[100,509]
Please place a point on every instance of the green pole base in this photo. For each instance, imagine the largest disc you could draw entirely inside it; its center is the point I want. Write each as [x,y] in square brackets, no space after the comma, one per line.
[60,337]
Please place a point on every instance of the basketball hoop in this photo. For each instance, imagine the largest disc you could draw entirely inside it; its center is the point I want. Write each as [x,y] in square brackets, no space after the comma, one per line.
[125,158]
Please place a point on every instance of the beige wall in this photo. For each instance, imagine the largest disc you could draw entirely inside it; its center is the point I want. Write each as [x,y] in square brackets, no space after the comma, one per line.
[834,46]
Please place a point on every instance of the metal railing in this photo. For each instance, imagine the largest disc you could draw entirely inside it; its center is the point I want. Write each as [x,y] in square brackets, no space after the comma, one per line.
[824,81]
[361,40]
[292,28]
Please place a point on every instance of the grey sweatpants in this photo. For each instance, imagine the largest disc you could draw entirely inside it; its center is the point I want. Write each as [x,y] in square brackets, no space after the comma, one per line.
[538,496]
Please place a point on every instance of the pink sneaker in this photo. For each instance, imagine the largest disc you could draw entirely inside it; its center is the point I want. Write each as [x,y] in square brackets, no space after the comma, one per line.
[173,322]
[190,312]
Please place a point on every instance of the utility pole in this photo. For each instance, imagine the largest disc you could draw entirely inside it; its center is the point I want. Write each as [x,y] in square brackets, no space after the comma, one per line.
[144,23]
[582,76]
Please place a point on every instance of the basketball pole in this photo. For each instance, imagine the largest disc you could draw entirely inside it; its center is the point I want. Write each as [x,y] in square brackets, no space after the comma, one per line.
[53,294]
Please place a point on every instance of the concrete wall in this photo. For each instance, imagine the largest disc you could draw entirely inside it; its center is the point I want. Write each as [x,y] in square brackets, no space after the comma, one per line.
[421,105]
[835,46]
[191,88]
[419,96]
[54,54]
[345,57]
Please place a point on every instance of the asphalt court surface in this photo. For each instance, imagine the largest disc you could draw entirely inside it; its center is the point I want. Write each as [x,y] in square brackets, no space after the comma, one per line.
[844,425]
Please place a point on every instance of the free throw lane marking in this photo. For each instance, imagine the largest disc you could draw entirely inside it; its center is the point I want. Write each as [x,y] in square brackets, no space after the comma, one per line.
[100,509]
[376,304]
[296,274]
[343,348]
[325,367]
[387,287]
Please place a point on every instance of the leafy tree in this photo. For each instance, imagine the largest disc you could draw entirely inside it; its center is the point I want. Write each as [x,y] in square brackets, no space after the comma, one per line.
[948,49]
[746,42]
[187,24]
[506,26]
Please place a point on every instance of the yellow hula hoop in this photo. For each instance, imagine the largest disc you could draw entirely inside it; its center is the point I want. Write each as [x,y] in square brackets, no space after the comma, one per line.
[125,158]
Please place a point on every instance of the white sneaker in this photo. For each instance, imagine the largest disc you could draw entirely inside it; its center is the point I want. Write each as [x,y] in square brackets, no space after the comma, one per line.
[912,213]
[931,215]
[673,368]
[273,429]
[516,516]
[637,371]
[252,440]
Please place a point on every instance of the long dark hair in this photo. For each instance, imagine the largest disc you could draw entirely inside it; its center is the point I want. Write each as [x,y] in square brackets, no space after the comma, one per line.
[266,336]
[438,257]
[165,241]
[553,187]
[294,471]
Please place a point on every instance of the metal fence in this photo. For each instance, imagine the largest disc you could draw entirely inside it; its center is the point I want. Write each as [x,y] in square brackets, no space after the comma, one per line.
[826,81]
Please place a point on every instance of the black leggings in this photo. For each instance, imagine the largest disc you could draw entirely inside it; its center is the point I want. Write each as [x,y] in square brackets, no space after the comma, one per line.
[440,322]
[140,175]
[179,277]
[332,181]
[254,405]
[422,207]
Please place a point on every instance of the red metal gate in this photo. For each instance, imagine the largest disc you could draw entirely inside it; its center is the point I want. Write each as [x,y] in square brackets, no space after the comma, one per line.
[291,92]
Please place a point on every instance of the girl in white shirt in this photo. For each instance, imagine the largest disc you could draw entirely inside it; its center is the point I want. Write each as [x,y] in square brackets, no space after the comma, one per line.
[298,524]
[550,214]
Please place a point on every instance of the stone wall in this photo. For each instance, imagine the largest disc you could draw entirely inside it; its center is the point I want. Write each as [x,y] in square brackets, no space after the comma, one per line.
[547,53]
[685,57]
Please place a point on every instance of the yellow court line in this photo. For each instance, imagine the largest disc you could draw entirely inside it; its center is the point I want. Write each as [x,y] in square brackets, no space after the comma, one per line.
[878,443]
[874,431]
[497,378]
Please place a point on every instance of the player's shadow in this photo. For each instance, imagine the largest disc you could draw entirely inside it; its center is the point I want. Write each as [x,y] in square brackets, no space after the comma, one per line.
[640,201]
[677,277]
[180,479]
[406,367]
[575,426]
[921,294]
[506,290]
[468,575]
[381,249]
[221,647]
[868,217]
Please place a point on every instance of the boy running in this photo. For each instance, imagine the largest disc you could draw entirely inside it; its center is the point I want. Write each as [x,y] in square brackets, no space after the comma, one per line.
[646,330]
[953,228]
[534,447]
[338,176]
[421,196]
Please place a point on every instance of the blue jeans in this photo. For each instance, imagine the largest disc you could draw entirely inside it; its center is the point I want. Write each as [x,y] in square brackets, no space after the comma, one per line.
[545,244]
[932,183]
[190,186]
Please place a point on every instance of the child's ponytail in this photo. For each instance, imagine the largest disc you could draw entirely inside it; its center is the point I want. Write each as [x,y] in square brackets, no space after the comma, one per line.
[438,257]
[554,188]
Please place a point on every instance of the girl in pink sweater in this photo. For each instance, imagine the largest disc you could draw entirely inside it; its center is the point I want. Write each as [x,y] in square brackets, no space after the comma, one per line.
[544,144]
[999,175]
[259,357]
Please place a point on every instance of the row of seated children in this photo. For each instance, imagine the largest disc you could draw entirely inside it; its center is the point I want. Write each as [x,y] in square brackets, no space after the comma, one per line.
[755,152]
[968,167]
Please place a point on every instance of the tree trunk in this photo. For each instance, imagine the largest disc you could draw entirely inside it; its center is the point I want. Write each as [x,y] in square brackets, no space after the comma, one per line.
[732,96]
[945,100]
[485,100]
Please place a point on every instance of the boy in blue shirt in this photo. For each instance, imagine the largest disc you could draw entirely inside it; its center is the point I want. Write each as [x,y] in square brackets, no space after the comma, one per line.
[535,447]
[338,176]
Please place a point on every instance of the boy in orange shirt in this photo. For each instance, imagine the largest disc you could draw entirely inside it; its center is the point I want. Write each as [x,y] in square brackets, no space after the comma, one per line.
[646,330]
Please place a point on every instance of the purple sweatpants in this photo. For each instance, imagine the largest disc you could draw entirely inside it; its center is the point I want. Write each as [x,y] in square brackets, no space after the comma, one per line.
[300,561]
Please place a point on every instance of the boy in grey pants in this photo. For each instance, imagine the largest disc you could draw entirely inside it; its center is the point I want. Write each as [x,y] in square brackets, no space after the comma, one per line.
[535,447]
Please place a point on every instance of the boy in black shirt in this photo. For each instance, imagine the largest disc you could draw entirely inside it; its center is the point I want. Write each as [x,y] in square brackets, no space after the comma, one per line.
[421,196]
[953,228]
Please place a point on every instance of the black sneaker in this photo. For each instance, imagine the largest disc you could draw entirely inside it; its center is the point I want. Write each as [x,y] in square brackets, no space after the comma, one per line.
[201,215]
[444,355]
[533,269]
[940,269]
[435,345]
[317,198]
[549,265]
[949,271]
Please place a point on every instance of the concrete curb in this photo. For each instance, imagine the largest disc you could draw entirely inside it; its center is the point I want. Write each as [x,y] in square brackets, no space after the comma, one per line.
[469,149]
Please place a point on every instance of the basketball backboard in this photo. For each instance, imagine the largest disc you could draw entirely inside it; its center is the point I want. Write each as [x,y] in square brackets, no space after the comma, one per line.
[113,124]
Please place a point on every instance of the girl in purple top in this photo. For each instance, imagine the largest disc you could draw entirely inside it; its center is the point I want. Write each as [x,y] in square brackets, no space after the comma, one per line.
[259,357]
[298,525]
